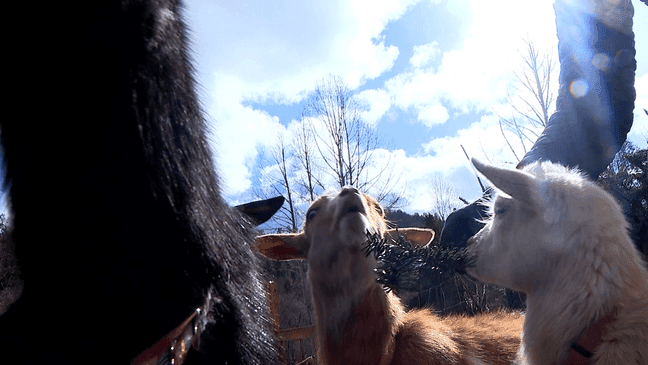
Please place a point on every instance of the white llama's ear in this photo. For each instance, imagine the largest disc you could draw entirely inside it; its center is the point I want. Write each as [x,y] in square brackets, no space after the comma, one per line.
[518,184]
[419,237]
[289,246]
[551,203]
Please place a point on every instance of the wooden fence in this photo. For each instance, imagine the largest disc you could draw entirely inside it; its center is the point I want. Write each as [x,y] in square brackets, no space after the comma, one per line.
[298,334]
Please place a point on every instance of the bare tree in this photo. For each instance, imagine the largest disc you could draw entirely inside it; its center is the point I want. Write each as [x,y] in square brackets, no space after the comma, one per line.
[533,99]
[330,146]
[346,141]
[276,162]
[303,146]
[345,144]
[445,199]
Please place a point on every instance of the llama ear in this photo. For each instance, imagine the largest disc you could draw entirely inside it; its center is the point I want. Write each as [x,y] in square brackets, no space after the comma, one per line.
[518,184]
[420,237]
[551,202]
[290,246]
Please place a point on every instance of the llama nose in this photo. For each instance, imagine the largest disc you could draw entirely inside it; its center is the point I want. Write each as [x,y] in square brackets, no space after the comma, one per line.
[349,190]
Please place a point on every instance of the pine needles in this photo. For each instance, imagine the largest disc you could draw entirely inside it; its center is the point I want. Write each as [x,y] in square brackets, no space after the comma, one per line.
[405,267]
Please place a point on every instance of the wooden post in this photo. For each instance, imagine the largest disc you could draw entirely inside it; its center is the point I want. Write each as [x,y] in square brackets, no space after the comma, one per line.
[290,334]
[273,303]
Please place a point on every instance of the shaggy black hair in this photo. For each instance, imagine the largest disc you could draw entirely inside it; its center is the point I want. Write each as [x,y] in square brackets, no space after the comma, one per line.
[120,229]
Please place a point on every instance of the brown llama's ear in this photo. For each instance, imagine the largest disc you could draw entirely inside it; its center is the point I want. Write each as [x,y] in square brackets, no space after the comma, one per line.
[374,204]
[379,209]
[289,246]
[420,237]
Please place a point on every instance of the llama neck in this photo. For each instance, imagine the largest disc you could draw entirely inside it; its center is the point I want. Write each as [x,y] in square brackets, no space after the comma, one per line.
[357,330]
[574,299]
[550,329]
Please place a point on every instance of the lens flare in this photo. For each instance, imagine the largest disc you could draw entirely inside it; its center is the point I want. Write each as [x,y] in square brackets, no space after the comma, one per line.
[601,61]
[579,88]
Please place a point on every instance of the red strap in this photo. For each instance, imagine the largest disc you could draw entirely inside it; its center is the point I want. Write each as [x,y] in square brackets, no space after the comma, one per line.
[163,348]
[589,340]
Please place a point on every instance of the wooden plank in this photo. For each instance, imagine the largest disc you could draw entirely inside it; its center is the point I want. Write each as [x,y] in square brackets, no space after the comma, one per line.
[290,334]
[273,303]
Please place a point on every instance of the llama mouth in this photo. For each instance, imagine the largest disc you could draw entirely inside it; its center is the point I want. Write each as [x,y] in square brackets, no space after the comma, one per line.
[351,212]
[354,208]
[469,263]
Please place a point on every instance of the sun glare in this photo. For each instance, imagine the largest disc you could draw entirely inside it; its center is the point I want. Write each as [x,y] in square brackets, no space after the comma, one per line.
[579,88]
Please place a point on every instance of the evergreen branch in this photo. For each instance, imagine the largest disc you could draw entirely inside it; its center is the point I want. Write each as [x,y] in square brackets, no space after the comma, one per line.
[405,267]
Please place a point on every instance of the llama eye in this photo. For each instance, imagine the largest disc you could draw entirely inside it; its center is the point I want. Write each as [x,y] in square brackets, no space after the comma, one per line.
[311,214]
[500,210]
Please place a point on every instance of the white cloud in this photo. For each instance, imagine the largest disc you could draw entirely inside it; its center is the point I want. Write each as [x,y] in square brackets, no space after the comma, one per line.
[267,50]
[445,158]
[433,114]
[482,140]
[279,49]
[365,20]
[639,132]
[276,51]
[245,128]
[416,172]
[424,54]
[640,28]
[378,102]
[477,74]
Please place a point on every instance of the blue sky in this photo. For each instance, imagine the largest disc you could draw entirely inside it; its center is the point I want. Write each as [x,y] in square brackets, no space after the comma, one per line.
[431,73]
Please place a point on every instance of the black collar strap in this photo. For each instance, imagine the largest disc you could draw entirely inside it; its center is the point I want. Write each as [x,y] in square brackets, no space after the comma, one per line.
[578,348]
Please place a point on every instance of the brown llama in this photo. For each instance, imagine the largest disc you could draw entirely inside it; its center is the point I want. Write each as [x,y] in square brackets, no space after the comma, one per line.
[358,322]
